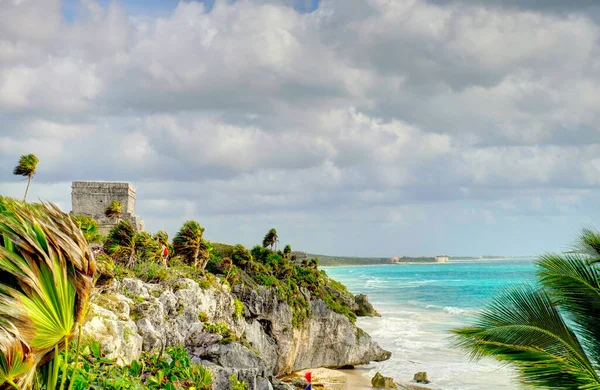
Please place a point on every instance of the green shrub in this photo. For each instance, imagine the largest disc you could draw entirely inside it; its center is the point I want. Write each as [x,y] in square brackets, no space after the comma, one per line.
[222,329]
[223,250]
[152,272]
[114,209]
[89,228]
[239,309]
[260,254]
[105,269]
[172,370]
[240,256]
[146,247]
[236,384]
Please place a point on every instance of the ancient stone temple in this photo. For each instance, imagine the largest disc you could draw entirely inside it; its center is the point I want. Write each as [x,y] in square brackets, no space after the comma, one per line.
[93,197]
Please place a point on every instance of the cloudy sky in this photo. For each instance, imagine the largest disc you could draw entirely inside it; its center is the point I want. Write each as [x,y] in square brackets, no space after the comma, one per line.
[355,127]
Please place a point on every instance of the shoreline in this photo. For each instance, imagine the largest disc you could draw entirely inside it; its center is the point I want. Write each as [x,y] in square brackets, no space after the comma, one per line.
[357,378]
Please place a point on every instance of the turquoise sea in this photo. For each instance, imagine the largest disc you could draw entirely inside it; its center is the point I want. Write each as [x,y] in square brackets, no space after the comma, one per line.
[419,303]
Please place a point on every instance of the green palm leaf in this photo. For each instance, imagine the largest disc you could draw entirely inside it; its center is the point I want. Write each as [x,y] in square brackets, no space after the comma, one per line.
[46,274]
[16,360]
[523,326]
[576,285]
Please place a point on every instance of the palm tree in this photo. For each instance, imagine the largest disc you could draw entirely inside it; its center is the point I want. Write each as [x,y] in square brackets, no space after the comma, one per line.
[46,277]
[26,167]
[120,243]
[189,245]
[270,239]
[549,330]
[287,250]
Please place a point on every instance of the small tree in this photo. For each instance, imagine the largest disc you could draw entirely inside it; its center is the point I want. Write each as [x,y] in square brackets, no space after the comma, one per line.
[270,239]
[120,243]
[189,245]
[114,209]
[26,167]
[287,251]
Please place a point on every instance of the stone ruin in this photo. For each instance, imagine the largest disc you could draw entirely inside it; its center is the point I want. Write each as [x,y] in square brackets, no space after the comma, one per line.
[93,197]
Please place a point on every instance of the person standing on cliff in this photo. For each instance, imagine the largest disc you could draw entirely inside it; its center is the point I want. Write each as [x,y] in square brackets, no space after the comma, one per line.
[165,254]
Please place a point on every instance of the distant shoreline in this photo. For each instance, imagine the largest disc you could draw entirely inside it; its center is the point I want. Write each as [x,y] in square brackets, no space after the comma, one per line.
[348,261]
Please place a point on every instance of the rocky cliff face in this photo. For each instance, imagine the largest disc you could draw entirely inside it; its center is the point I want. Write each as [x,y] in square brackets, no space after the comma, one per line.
[131,316]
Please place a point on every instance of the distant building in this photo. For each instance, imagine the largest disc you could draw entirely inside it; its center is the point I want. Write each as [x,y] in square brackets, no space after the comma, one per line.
[394,260]
[93,197]
[441,259]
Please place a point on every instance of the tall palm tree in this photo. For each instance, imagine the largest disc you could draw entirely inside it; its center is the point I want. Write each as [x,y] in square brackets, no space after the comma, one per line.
[548,330]
[189,245]
[26,167]
[46,277]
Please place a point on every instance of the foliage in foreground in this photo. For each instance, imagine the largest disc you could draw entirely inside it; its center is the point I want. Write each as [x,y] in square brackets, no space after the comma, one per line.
[172,370]
[46,277]
[549,331]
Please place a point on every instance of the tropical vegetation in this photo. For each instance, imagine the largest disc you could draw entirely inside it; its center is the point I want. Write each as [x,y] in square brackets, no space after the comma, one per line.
[172,370]
[548,330]
[26,167]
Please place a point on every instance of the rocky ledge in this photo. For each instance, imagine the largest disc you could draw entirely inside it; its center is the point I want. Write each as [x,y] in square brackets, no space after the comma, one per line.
[258,343]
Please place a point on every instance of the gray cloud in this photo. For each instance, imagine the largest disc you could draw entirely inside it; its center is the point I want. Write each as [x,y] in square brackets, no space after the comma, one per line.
[361,122]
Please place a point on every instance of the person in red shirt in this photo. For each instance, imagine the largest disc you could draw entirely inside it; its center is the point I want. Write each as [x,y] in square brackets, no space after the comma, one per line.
[165,254]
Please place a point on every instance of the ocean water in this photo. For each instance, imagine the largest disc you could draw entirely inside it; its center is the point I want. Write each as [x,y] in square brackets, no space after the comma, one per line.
[420,303]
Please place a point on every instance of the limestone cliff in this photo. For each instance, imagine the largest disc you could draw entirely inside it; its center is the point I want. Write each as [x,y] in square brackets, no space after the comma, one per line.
[131,316]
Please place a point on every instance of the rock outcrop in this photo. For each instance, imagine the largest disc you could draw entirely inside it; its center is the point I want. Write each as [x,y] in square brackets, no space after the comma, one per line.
[421,377]
[383,382]
[138,316]
[364,307]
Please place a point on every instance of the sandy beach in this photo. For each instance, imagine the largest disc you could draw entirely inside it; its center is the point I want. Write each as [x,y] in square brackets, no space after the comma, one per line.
[358,378]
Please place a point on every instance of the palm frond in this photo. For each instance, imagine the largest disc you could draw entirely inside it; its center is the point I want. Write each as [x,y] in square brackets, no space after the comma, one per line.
[523,326]
[27,165]
[575,283]
[588,243]
[47,275]
[16,360]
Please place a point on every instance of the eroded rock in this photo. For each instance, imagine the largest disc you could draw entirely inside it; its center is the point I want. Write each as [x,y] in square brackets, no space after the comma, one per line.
[365,309]
[383,382]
